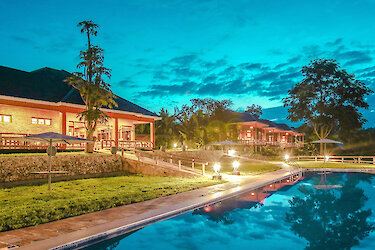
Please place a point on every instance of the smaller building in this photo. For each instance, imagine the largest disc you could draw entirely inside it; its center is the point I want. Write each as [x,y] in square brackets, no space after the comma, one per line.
[261,132]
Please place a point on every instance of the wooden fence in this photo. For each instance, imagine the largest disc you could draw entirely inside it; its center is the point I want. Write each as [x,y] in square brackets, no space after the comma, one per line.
[341,158]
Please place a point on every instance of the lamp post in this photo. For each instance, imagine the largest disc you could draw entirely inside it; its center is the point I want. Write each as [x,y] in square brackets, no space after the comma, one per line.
[236,165]
[217,170]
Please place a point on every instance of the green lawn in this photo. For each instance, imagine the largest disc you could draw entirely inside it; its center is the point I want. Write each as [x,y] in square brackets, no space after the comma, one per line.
[246,167]
[313,164]
[32,205]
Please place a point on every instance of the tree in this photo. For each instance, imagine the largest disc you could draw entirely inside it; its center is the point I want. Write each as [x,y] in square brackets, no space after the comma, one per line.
[254,110]
[94,90]
[327,98]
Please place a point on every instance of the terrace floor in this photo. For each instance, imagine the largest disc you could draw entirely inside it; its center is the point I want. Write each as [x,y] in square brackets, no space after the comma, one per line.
[127,218]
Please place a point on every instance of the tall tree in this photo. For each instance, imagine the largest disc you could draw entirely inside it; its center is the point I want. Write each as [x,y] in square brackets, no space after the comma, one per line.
[95,91]
[327,98]
[254,110]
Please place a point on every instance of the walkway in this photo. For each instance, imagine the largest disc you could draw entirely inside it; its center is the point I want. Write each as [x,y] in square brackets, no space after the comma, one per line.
[78,230]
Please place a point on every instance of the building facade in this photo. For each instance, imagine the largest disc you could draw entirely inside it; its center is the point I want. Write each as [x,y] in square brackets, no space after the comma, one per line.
[262,132]
[40,101]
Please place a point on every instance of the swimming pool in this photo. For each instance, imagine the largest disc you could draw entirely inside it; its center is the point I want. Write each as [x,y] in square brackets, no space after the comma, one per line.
[284,215]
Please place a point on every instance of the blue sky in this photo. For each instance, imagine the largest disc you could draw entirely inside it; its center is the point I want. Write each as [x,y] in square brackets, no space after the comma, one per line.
[163,53]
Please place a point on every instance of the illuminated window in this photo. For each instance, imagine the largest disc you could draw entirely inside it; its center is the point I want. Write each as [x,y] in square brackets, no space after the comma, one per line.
[41,121]
[5,118]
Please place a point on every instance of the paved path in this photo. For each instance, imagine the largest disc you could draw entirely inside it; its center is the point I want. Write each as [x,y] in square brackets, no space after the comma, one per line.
[127,218]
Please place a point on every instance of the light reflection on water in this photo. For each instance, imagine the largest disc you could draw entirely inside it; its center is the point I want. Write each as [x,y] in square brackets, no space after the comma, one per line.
[281,216]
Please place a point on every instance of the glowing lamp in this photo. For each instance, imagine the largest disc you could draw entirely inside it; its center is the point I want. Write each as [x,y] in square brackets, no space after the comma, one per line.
[231,152]
[286,157]
[175,145]
[252,193]
[217,170]
[236,165]
[327,157]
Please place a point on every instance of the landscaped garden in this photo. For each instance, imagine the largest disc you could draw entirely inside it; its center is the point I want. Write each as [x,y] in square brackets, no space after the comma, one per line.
[32,205]
[246,167]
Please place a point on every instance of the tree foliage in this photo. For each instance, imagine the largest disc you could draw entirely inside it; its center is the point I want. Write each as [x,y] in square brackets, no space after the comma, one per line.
[328,98]
[91,83]
[254,110]
[196,125]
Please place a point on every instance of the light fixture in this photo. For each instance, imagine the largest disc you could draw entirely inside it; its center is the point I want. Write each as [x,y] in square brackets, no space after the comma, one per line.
[217,170]
[175,145]
[286,157]
[236,165]
[327,157]
[231,152]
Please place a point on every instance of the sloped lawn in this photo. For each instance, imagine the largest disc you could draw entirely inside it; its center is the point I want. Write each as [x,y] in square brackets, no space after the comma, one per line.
[32,205]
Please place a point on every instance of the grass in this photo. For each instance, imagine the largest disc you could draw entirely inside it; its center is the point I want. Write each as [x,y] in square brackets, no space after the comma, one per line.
[313,164]
[246,167]
[32,205]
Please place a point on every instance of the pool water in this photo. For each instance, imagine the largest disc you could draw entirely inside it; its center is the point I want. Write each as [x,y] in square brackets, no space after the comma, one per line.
[284,215]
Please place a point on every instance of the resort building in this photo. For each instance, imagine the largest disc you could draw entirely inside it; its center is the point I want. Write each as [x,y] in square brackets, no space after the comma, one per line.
[260,132]
[40,101]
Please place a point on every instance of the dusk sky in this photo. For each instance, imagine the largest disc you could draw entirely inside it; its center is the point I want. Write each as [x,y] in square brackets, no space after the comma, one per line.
[164,53]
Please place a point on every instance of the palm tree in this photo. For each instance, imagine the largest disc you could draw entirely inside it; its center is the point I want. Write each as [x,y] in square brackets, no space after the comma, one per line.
[95,91]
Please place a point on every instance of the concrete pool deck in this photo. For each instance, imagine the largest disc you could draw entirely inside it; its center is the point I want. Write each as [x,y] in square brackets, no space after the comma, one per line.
[80,230]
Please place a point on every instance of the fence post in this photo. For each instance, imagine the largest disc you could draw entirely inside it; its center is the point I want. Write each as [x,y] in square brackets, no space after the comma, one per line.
[342,159]
[373,160]
[204,168]
[316,158]
[179,165]
[193,163]
[171,161]
[122,152]
[297,158]
[359,159]
[156,160]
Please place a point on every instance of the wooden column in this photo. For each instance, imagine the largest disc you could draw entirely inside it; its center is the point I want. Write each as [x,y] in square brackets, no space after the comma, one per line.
[116,132]
[152,133]
[63,127]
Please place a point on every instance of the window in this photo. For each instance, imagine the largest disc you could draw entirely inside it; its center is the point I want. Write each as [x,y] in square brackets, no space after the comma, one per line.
[41,121]
[5,118]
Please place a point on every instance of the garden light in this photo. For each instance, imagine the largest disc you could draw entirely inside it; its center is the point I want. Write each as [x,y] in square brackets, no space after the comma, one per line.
[327,157]
[175,145]
[231,152]
[236,165]
[286,157]
[217,170]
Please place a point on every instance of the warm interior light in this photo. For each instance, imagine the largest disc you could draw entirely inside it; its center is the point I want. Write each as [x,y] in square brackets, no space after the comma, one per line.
[217,168]
[236,165]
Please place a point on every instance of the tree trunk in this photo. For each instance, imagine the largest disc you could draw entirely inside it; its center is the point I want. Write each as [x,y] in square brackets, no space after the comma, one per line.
[90,145]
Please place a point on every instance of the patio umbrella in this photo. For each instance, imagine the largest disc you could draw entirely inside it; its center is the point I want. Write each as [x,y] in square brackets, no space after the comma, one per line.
[51,137]
[325,141]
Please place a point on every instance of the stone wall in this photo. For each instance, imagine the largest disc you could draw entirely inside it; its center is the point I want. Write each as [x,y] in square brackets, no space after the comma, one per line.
[19,169]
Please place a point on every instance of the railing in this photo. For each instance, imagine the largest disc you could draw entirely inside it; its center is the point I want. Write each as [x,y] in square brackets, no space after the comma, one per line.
[107,144]
[183,163]
[343,159]
[271,143]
